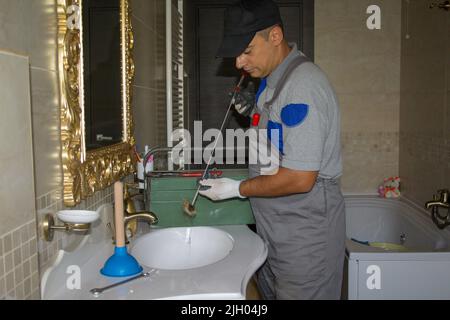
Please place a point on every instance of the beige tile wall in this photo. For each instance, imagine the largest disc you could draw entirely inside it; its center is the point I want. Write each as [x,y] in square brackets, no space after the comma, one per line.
[19,273]
[29,28]
[18,256]
[425,106]
[364,67]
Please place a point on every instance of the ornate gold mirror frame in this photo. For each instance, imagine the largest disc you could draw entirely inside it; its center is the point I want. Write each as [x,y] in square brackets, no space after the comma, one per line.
[85,172]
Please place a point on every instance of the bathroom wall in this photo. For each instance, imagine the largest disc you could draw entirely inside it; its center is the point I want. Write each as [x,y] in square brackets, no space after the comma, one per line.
[425,103]
[29,29]
[18,255]
[364,67]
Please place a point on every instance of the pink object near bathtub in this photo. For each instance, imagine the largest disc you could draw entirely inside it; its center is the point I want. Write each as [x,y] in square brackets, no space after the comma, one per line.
[390,188]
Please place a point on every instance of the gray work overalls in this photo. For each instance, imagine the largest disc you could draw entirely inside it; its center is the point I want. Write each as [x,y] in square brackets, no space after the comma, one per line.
[305,234]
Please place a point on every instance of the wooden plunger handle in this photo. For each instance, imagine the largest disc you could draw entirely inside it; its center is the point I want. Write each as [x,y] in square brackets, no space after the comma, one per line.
[118,214]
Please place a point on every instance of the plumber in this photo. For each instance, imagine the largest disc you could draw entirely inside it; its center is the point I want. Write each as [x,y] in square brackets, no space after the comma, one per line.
[299,211]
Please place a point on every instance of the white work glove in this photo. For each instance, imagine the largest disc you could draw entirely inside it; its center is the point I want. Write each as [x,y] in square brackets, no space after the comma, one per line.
[221,189]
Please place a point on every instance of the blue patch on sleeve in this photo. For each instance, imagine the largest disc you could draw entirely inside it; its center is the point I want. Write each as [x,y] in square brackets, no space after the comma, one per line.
[262,86]
[274,128]
[294,114]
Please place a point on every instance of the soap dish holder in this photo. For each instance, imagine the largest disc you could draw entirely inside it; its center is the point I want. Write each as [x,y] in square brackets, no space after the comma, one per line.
[74,221]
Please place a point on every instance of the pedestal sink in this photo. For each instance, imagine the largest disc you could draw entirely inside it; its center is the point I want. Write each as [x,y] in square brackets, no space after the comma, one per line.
[182,248]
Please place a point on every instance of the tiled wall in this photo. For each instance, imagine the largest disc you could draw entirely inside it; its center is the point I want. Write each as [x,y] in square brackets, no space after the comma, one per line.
[19,273]
[29,28]
[364,68]
[425,103]
[18,257]
[368,156]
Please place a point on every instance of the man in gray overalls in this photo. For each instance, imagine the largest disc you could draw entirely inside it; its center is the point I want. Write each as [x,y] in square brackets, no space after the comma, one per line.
[299,211]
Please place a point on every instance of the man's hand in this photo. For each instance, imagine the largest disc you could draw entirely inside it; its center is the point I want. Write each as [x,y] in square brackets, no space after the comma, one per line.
[245,100]
[221,189]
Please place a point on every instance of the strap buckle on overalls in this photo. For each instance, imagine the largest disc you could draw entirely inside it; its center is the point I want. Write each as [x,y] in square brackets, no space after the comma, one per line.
[327,180]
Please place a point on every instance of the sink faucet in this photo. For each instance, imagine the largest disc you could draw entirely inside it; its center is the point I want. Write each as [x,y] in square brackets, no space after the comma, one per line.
[440,201]
[129,206]
[149,217]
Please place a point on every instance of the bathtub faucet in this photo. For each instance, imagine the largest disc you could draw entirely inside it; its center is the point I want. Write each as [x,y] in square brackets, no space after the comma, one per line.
[440,201]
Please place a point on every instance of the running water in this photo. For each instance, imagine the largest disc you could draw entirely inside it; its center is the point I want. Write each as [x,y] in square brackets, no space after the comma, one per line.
[188,236]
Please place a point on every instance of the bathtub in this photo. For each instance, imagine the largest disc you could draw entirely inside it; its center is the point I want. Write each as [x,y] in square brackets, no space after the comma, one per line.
[418,267]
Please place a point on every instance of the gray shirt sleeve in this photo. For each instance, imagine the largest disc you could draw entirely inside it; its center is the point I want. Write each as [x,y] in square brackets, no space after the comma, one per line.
[304,126]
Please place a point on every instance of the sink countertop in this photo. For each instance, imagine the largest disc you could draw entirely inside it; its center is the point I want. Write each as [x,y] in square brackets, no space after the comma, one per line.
[224,279]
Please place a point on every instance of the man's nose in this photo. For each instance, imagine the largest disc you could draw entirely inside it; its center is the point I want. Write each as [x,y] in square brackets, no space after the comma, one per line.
[240,62]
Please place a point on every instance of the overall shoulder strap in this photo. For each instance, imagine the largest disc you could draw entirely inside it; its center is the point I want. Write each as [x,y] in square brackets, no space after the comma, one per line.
[285,77]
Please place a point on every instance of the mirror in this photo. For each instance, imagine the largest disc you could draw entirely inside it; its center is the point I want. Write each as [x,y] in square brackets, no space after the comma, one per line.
[102,82]
[96,69]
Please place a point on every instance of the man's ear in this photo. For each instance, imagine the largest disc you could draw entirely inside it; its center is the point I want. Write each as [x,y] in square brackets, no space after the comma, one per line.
[276,35]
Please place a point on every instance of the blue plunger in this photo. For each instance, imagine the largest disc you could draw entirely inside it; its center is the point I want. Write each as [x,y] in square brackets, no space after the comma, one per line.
[121,263]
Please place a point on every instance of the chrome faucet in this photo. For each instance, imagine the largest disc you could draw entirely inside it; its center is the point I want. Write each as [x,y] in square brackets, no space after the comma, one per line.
[440,201]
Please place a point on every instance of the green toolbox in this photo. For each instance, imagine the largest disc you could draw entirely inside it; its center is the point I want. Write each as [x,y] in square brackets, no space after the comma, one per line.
[165,197]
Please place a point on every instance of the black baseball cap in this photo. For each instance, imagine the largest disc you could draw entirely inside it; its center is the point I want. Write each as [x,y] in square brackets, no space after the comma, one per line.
[243,19]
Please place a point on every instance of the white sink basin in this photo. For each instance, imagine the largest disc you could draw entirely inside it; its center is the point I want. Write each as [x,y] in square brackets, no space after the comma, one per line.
[182,248]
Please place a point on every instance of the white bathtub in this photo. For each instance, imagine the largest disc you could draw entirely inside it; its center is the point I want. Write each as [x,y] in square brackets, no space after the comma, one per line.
[421,272]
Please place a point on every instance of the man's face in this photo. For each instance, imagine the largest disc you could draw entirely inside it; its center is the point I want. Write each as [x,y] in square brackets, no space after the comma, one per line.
[258,58]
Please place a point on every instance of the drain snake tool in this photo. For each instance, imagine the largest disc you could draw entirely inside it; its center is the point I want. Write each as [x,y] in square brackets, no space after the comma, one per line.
[189,207]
